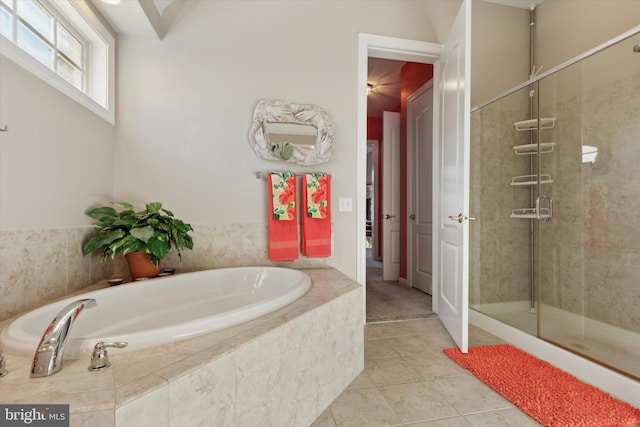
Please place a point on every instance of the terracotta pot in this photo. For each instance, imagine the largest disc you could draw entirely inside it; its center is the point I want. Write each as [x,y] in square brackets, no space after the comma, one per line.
[140,265]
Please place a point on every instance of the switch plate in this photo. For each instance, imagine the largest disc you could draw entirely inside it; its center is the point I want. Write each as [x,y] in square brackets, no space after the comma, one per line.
[345,204]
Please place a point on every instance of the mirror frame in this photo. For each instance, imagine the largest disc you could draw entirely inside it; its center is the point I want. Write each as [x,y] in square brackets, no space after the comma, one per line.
[280,111]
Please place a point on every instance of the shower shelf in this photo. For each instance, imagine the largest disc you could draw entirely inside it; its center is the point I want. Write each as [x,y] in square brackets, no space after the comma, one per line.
[531,179]
[528,149]
[529,213]
[545,123]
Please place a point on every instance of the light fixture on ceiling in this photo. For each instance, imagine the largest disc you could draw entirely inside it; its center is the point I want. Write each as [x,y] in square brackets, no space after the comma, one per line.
[370,88]
[111,2]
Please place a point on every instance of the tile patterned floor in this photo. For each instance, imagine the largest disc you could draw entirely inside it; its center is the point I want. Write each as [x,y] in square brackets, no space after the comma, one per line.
[408,381]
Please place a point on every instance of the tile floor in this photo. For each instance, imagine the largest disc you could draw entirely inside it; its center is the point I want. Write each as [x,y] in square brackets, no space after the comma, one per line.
[408,380]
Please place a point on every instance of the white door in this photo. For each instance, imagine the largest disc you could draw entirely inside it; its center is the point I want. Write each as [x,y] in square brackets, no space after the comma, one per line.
[451,178]
[420,172]
[390,195]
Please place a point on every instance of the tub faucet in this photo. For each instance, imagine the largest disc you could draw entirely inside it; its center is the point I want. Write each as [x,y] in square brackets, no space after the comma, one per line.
[48,357]
[3,363]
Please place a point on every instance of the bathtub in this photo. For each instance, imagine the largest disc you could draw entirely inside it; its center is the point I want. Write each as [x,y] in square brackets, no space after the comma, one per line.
[163,310]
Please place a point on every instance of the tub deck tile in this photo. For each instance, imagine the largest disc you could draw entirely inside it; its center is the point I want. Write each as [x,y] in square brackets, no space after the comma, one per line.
[318,370]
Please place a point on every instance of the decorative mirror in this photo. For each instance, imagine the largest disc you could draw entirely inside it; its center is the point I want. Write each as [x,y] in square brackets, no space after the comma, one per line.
[300,133]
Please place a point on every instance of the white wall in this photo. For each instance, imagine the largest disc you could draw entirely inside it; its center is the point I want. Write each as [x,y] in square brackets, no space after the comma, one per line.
[499,49]
[564,30]
[568,28]
[186,103]
[57,158]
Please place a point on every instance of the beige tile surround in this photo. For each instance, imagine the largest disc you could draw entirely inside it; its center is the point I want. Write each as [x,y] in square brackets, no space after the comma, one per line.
[40,266]
[284,368]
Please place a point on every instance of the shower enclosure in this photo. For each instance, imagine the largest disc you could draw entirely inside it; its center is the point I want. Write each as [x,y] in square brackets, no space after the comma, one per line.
[555,184]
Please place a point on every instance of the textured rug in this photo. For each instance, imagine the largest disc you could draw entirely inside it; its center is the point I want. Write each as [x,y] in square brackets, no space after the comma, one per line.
[545,393]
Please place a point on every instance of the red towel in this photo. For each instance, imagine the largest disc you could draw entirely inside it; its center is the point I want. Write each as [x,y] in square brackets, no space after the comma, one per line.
[316,215]
[283,233]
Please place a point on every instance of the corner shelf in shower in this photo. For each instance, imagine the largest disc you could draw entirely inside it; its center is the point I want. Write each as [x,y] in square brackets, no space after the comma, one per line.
[531,179]
[529,213]
[545,123]
[529,149]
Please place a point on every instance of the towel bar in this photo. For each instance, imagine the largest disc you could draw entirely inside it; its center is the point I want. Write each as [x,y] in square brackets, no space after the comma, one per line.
[261,175]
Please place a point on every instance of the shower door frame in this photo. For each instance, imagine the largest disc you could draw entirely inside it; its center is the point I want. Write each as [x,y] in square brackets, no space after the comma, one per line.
[533,83]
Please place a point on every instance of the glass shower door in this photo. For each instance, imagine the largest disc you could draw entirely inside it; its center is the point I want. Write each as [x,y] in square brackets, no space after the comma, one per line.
[587,254]
[503,160]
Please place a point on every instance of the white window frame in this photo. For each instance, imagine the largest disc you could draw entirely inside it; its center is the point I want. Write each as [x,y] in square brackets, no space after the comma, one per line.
[99,85]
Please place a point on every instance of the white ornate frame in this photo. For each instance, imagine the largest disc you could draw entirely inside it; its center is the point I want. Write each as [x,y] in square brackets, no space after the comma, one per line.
[279,111]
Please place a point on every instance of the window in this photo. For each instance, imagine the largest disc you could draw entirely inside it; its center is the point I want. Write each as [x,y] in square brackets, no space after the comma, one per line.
[65,44]
[44,36]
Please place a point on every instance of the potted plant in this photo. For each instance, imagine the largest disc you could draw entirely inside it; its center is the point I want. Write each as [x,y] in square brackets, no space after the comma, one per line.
[145,236]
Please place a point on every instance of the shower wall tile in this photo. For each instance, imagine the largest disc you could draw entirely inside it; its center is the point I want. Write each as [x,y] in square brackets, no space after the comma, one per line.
[611,284]
[590,250]
[500,246]
[40,266]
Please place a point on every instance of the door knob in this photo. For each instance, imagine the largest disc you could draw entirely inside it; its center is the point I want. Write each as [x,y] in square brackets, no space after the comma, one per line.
[461,218]
[456,218]
[387,216]
[412,216]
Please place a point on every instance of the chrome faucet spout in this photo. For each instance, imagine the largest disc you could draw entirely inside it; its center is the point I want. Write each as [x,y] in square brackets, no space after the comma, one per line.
[48,357]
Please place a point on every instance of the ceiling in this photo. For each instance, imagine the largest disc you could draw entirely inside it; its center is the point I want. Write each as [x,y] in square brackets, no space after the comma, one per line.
[138,18]
[384,76]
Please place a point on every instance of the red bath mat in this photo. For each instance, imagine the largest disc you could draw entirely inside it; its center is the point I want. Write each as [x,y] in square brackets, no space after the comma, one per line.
[545,393]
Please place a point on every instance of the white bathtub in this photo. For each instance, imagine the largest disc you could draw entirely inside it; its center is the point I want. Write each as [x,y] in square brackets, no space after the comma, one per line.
[163,310]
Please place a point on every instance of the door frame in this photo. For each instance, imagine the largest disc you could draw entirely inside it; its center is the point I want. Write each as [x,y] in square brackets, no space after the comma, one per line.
[376,46]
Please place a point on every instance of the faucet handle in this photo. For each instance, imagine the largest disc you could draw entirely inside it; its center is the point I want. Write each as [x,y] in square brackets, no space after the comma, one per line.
[100,357]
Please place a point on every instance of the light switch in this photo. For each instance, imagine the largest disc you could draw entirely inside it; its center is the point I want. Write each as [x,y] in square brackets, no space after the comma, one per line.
[345,204]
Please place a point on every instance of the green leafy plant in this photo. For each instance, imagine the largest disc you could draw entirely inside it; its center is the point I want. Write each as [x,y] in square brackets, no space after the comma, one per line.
[153,231]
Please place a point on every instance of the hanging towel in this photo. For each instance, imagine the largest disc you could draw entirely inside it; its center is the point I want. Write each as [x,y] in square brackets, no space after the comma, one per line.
[316,218]
[283,224]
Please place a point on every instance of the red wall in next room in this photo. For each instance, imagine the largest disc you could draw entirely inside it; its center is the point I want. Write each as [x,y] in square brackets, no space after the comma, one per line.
[374,128]
[413,77]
